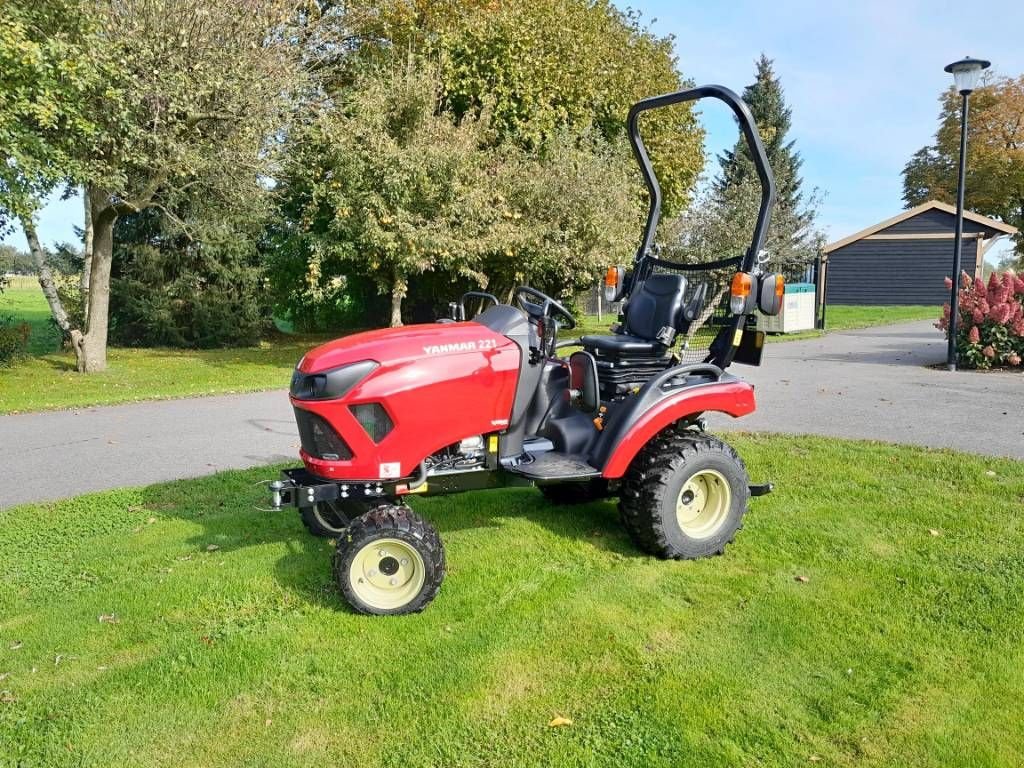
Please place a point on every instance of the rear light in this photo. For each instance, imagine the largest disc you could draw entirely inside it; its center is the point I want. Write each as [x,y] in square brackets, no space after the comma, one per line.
[739,293]
[319,439]
[614,282]
[374,419]
[771,291]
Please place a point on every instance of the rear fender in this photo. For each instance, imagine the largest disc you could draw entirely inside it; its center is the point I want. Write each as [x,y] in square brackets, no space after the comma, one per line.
[637,425]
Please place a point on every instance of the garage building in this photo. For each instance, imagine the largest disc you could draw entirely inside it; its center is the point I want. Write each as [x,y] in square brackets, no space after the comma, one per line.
[905,259]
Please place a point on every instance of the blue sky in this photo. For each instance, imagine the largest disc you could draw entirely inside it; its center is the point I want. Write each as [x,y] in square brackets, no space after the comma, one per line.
[863,80]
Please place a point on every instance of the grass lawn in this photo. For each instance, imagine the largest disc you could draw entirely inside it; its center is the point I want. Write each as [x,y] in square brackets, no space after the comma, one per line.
[126,639]
[838,318]
[47,379]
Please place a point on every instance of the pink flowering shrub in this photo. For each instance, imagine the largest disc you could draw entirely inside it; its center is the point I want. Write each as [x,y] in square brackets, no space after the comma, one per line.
[990,324]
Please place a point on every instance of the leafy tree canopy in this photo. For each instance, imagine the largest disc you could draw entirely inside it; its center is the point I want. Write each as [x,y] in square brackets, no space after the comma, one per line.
[995,155]
[548,65]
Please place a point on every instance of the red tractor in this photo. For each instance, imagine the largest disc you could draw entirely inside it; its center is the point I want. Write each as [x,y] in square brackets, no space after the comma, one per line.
[460,405]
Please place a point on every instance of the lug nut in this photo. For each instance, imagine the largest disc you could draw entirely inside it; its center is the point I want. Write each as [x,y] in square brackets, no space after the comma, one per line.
[405,561]
[381,553]
[392,581]
[372,572]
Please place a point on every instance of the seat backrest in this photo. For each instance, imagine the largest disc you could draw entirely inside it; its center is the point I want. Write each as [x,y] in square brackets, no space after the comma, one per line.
[656,304]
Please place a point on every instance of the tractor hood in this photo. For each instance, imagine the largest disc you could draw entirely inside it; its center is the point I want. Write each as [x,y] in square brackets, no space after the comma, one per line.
[400,345]
[419,388]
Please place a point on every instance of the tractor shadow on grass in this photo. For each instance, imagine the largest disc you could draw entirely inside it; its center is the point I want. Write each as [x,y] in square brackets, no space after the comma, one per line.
[226,507]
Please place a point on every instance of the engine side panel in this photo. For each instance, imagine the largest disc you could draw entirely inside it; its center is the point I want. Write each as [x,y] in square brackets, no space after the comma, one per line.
[438,383]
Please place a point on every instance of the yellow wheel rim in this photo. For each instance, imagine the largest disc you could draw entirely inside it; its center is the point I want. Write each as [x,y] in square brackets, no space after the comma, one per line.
[703,504]
[387,574]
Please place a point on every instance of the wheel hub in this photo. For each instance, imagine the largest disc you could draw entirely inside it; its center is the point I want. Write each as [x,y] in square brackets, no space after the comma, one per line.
[387,573]
[703,504]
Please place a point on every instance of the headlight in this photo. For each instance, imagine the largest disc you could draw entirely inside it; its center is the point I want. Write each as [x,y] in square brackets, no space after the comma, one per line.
[330,384]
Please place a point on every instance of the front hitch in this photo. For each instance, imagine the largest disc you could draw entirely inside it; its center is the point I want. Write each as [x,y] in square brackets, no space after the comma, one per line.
[298,488]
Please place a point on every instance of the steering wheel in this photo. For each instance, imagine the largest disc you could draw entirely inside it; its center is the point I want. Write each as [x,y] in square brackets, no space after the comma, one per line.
[544,307]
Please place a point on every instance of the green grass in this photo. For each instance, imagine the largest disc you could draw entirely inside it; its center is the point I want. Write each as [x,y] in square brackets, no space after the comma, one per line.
[901,648]
[846,318]
[23,300]
[838,318]
[47,379]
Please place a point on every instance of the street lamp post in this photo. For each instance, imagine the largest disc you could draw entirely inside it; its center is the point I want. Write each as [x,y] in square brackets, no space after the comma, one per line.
[966,73]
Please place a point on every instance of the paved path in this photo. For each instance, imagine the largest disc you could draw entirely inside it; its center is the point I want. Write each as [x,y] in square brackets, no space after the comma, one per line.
[871,383]
[875,383]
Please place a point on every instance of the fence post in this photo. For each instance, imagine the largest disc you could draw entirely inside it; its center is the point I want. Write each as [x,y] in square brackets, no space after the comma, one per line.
[599,302]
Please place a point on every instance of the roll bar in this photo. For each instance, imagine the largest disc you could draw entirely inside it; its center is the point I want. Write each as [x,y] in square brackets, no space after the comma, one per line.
[749,130]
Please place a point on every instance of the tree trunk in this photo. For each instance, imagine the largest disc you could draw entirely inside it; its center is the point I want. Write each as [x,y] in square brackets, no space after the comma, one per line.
[399,288]
[46,277]
[91,346]
[87,256]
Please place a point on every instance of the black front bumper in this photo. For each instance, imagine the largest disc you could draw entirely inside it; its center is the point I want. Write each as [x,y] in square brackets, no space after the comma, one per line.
[299,488]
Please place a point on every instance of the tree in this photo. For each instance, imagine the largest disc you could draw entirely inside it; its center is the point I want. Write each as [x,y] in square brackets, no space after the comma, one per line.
[192,95]
[564,213]
[793,239]
[15,261]
[385,183]
[48,80]
[381,184]
[995,155]
[543,66]
[205,289]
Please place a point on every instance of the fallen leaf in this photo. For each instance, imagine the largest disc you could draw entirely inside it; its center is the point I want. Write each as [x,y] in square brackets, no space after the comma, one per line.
[934,532]
[267,722]
[212,547]
[558,721]
[802,579]
[57,658]
[102,668]
[990,473]
[6,697]
[16,645]
[109,618]
[814,759]
[151,520]
[4,676]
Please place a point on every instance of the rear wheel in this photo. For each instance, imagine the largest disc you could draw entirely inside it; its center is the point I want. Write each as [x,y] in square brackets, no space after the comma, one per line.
[685,495]
[330,518]
[389,561]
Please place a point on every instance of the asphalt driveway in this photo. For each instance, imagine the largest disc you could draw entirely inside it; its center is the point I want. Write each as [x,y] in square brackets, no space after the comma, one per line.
[872,383]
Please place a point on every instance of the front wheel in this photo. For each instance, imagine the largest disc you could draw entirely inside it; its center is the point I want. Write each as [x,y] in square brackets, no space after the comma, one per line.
[389,561]
[685,495]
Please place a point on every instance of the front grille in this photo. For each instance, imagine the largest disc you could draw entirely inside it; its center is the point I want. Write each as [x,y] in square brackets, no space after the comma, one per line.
[374,419]
[319,439]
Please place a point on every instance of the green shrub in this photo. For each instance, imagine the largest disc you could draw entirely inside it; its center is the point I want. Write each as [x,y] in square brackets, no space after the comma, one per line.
[171,290]
[13,340]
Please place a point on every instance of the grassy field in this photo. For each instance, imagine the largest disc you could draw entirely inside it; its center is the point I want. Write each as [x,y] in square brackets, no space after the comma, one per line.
[867,615]
[839,318]
[47,378]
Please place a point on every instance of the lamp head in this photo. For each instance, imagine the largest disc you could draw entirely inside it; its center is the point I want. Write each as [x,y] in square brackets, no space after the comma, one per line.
[967,72]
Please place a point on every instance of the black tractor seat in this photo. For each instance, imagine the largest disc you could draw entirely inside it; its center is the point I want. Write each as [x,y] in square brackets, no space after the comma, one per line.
[623,344]
[652,317]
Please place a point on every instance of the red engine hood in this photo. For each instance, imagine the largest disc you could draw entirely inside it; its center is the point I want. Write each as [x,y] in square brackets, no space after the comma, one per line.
[438,383]
[397,345]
